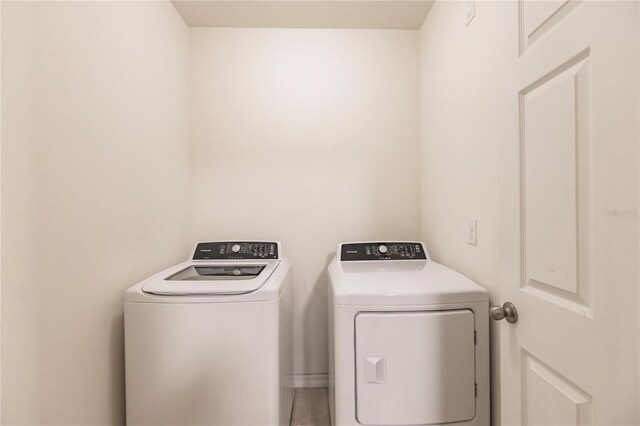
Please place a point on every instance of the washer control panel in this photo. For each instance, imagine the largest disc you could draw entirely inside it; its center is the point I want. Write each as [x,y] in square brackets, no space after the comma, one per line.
[229,250]
[382,251]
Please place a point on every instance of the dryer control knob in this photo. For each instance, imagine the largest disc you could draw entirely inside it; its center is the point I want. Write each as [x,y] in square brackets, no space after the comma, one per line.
[235,248]
[382,249]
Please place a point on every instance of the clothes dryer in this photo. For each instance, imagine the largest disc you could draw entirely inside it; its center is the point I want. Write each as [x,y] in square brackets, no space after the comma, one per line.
[408,339]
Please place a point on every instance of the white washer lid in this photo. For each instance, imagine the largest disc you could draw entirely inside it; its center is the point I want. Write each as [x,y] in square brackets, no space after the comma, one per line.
[212,278]
[401,282]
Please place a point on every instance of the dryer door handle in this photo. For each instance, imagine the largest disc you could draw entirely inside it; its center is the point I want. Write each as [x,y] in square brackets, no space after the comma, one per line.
[374,369]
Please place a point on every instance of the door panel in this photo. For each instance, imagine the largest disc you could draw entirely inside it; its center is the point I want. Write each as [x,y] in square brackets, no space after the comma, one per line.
[539,17]
[415,368]
[555,163]
[569,233]
[550,398]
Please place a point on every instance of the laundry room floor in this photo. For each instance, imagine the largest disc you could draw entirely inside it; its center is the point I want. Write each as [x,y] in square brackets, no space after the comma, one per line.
[310,407]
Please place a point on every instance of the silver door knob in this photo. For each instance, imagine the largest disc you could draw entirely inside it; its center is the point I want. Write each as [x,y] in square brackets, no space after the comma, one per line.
[508,311]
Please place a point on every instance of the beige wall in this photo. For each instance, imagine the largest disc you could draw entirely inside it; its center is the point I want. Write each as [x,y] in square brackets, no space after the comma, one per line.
[308,136]
[94,170]
[464,102]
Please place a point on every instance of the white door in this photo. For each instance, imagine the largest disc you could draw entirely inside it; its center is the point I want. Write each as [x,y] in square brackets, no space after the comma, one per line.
[569,233]
[415,368]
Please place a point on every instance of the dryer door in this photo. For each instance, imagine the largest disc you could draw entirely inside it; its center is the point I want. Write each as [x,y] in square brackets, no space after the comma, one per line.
[415,368]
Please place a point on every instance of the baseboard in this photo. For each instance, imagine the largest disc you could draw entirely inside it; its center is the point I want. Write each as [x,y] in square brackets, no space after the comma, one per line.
[310,381]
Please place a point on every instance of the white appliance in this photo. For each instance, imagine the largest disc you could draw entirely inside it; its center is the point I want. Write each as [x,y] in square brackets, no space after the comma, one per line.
[408,339]
[209,341]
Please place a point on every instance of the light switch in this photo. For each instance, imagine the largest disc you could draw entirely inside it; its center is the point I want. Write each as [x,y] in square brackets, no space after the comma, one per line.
[470,10]
[472,233]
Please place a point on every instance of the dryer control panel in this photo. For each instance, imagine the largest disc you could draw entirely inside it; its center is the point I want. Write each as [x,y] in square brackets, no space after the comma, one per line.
[242,250]
[382,251]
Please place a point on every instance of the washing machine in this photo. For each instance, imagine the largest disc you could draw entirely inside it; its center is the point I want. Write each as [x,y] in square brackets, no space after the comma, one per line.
[209,341]
[408,339]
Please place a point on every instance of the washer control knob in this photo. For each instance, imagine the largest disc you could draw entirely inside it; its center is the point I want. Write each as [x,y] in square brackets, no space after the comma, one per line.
[235,248]
[383,249]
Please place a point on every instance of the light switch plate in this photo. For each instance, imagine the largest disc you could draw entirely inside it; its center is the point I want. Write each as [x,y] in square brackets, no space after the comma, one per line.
[470,10]
[472,233]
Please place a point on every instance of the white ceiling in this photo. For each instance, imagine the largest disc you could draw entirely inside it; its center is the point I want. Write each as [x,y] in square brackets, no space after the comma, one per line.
[386,14]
